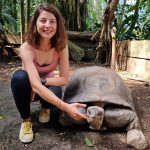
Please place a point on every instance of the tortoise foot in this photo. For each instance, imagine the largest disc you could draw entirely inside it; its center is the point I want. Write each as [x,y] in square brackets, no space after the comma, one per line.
[136,139]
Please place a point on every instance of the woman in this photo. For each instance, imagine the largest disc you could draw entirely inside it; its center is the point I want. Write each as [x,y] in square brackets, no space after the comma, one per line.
[45,48]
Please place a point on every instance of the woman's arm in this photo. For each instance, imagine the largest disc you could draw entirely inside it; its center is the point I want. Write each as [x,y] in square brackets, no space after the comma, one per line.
[63,70]
[27,58]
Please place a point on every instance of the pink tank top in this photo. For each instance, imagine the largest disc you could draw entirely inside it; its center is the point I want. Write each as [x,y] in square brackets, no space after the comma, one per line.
[47,70]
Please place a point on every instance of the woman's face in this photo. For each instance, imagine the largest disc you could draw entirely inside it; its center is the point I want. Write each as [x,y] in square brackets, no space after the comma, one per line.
[46,24]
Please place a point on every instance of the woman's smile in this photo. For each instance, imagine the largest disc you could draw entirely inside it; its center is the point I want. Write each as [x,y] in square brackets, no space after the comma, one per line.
[47,31]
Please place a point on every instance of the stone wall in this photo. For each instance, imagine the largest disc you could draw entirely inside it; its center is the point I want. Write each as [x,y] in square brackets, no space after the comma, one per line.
[136,56]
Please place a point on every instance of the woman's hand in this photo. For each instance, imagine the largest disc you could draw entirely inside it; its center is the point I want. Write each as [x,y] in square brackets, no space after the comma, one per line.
[73,111]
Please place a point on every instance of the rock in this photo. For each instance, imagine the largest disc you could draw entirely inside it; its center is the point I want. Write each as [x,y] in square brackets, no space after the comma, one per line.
[136,139]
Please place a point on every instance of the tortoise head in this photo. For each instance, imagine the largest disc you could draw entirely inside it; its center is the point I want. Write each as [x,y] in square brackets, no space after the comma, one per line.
[95,116]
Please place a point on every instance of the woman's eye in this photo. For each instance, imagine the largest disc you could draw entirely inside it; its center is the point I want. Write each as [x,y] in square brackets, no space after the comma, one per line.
[52,21]
[43,21]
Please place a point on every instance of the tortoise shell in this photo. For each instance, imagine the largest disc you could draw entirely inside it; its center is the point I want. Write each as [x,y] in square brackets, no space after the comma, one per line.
[98,86]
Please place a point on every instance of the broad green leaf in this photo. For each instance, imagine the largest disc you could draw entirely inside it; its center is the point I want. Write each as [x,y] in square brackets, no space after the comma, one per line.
[88,142]
[132,8]
[148,5]
[1,117]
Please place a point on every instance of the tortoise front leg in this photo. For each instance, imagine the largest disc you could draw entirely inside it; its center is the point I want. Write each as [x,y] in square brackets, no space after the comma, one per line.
[125,117]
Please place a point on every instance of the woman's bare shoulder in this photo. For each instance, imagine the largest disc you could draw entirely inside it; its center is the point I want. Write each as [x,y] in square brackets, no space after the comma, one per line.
[26,46]
[26,49]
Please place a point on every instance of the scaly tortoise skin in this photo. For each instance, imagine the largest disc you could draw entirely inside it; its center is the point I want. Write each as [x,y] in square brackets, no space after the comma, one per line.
[109,103]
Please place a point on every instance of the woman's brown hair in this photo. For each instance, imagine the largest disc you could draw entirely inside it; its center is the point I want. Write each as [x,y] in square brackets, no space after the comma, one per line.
[59,40]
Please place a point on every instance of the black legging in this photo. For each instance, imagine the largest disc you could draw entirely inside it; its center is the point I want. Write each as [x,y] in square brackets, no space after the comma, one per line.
[21,90]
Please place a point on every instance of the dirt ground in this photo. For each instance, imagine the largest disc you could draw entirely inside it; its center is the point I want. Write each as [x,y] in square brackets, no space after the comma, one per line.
[52,135]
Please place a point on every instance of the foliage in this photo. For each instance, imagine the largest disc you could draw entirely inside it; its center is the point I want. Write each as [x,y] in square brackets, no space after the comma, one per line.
[129,23]
[7,21]
[95,13]
[133,21]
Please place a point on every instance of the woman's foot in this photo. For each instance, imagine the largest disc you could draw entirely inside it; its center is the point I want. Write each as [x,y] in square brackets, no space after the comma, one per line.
[44,116]
[26,133]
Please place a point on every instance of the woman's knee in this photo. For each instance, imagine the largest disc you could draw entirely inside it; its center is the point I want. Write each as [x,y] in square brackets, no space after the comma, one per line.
[20,76]
[56,90]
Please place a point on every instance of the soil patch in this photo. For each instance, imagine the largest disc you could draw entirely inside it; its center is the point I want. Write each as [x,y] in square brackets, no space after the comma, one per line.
[52,135]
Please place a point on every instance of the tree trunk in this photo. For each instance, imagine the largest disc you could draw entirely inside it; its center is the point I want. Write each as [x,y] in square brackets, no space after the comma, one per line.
[78,16]
[28,14]
[113,55]
[22,24]
[1,21]
[103,50]
[14,14]
[83,14]
[1,30]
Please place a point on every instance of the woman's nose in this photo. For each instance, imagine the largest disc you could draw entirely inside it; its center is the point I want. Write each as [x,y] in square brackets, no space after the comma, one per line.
[47,24]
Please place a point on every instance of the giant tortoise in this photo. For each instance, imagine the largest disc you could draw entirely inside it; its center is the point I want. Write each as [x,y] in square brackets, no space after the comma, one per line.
[109,103]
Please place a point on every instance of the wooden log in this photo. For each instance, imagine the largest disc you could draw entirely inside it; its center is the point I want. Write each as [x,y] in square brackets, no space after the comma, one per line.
[72,35]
